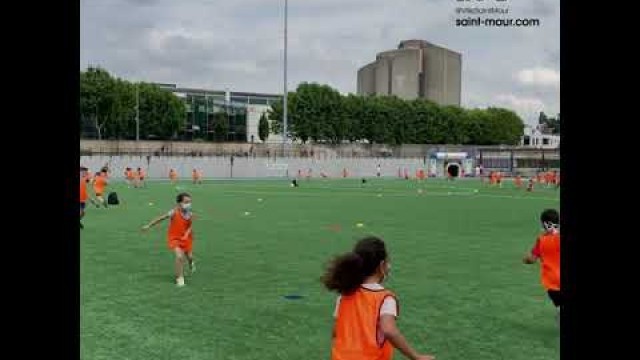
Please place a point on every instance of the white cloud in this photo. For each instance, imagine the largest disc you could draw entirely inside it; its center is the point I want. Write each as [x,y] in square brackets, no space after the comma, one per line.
[527,107]
[239,44]
[539,77]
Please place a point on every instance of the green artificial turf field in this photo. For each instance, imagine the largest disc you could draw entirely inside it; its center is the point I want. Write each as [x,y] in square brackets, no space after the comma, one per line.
[463,290]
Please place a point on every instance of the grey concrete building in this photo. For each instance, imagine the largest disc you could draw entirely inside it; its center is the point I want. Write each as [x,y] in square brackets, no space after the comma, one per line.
[417,69]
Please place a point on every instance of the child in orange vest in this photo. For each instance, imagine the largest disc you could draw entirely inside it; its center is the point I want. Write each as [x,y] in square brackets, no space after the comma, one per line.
[173,176]
[99,184]
[179,235]
[547,251]
[365,312]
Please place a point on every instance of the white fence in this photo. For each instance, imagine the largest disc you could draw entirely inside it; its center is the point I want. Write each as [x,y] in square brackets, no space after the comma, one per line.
[249,167]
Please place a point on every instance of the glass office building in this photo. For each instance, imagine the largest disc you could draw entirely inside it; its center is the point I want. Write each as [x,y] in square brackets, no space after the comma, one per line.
[214,115]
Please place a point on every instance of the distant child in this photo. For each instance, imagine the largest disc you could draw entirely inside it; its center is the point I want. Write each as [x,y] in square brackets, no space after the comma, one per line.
[547,251]
[365,312]
[84,195]
[99,185]
[196,176]
[173,176]
[141,175]
[530,184]
[518,181]
[179,235]
[421,175]
[128,175]
[378,171]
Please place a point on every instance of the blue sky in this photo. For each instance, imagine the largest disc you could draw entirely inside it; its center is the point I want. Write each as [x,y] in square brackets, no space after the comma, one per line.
[239,44]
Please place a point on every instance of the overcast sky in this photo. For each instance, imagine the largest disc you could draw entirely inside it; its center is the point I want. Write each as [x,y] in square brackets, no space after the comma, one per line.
[238,44]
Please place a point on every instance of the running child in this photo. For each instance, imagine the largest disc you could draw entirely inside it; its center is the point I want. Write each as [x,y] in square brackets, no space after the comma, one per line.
[84,196]
[365,312]
[128,175]
[173,176]
[518,181]
[99,184]
[530,184]
[179,235]
[196,176]
[547,251]
[141,176]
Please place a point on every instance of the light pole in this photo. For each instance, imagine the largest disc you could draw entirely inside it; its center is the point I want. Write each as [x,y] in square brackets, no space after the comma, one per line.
[138,112]
[284,100]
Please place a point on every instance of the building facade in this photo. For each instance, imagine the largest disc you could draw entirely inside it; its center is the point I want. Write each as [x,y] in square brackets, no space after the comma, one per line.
[241,111]
[417,69]
[533,137]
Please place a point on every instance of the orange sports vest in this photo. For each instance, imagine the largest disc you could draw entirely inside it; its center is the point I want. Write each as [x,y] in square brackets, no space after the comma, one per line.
[83,189]
[550,260]
[178,226]
[356,327]
[99,183]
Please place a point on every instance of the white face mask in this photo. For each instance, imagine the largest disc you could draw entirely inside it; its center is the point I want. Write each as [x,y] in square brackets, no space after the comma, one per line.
[551,227]
[186,207]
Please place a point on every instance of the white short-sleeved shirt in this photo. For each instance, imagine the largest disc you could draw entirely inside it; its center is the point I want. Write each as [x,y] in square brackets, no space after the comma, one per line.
[389,305]
[185,215]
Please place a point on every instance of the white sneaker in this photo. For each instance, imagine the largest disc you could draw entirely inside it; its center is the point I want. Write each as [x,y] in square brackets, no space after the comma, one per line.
[180,282]
[192,267]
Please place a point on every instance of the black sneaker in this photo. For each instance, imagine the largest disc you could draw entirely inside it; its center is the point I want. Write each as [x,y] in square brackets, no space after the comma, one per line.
[81,226]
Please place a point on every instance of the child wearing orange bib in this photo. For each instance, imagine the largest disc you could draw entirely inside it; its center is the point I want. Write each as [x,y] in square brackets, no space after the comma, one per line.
[99,185]
[179,235]
[547,251]
[365,312]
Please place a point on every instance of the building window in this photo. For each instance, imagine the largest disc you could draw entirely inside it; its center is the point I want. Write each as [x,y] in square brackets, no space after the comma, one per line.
[239,99]
[258,101]
[545,141]
[527,140]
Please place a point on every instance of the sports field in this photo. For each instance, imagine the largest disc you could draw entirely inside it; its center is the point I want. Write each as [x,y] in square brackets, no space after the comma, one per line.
[456,253]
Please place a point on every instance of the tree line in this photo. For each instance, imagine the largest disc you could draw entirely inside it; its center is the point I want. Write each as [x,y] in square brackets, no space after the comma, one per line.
[549,124]
[316,113]
[319,113]
[108,104]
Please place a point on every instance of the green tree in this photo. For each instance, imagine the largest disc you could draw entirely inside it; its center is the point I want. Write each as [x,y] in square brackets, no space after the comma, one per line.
[506,126]
[110,105]
[263,128]
[162,114]
[320,113]
[97,97]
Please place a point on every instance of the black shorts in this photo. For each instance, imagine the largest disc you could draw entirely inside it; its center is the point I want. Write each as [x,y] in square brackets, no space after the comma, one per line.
[556,297]
[82,206]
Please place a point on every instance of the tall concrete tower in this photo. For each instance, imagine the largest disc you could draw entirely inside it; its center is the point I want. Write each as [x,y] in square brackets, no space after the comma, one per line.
[417,69]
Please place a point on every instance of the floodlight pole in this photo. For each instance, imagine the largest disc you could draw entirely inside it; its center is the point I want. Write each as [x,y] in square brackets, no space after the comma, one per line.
[284,100]
[137,112]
